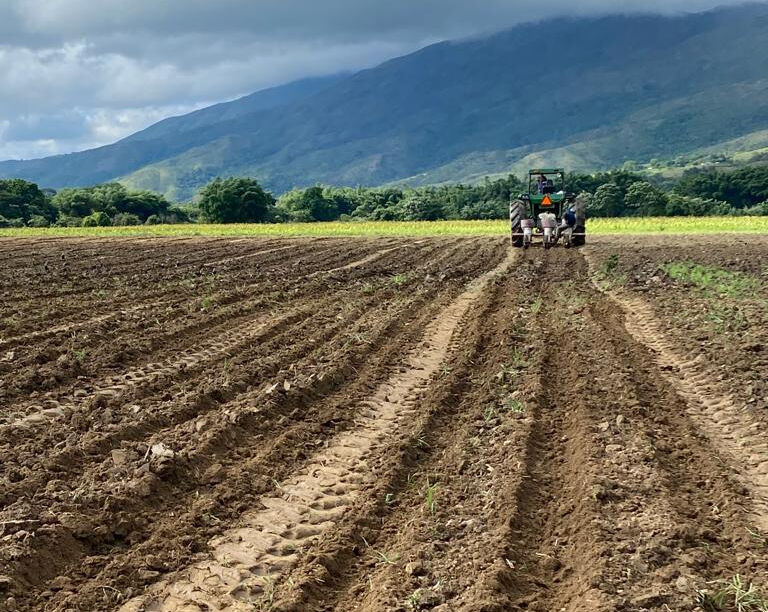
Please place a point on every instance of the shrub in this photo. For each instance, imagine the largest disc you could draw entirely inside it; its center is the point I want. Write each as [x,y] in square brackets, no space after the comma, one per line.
[176,215]
[760,210]
[68,221]
[97,219]
[125,219]
[38,221]
[11,222]
[687,206]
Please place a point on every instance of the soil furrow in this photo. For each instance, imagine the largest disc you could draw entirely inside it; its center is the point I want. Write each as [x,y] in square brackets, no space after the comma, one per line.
[226,311]
[246,559]
[205,455]
[185,467]
[313,425]
[277,448]
[401,548]
[731,428]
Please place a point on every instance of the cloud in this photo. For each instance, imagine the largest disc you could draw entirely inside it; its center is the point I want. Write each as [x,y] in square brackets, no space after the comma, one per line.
[330,20]
[79,73]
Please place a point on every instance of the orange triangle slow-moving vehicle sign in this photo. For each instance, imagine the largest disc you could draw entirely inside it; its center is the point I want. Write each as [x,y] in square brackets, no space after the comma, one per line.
[547,201]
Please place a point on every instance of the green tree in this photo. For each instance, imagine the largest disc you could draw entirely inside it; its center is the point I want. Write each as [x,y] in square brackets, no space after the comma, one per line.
[142,204]
[67,221]
[20,199]
[110,198]
[759,210]
[421,207]
[311,204]
[38,221]
[236,200]
[741,188]
[608,201]
[687,206]
[643,199]
[75,202]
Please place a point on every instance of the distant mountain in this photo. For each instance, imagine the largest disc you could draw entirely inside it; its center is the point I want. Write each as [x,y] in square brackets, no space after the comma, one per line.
[583,93]
[160,141]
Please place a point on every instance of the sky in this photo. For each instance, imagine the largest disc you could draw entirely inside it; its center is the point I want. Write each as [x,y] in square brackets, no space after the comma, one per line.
[75,74]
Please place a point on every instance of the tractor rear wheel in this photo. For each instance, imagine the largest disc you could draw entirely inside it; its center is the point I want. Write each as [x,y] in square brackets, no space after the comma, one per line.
[580,210]
[516,214]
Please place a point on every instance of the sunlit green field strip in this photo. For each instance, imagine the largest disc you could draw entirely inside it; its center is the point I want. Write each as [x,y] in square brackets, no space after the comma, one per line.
[652,225]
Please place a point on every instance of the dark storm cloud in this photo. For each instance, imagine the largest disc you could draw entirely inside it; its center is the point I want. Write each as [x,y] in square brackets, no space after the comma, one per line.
[114,66]
[339,20]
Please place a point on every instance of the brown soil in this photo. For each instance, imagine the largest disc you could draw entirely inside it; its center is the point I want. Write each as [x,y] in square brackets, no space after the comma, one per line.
[377,424]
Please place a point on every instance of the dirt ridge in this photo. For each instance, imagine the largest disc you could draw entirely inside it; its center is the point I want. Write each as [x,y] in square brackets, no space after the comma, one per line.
[730,427]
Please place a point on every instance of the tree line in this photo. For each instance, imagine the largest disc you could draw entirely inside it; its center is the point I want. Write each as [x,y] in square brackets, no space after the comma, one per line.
[243,200]
[24,204]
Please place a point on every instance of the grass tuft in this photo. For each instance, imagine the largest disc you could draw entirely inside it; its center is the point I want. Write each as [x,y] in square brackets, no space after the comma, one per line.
[431,497]
[734,595]
[712,279]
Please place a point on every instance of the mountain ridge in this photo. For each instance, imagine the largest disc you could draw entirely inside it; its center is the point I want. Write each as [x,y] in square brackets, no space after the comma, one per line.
[618,88]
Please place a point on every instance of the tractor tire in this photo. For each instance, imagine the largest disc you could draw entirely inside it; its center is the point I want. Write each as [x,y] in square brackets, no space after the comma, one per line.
[516,214]
[580,210]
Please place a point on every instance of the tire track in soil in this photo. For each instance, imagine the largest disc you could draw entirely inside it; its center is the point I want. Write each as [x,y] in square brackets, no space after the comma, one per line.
[122,252]
[284,447]
[12,341]
[455,255]
[87,277]
[227,260]
[321,252]
[219,316]
[443,547]
[268,331]
[187,360]
[696,512]
[67,406]
[187,265]
[360,262]
[122,310]
[190,358]
[246,560]
[64,457]
[92,321]
[732,430]
[611,515]
[217,443]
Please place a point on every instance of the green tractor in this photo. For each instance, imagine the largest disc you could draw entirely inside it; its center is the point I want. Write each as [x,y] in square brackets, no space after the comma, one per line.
[547,212]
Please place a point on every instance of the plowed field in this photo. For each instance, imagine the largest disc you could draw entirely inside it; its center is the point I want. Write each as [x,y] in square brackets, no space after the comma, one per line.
[383,424]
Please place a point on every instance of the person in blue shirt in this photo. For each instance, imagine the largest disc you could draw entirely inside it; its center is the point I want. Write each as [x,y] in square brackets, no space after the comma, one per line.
[569,218]
[567,226]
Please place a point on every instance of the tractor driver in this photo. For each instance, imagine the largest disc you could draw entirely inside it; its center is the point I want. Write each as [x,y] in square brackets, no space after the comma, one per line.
[542,184]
